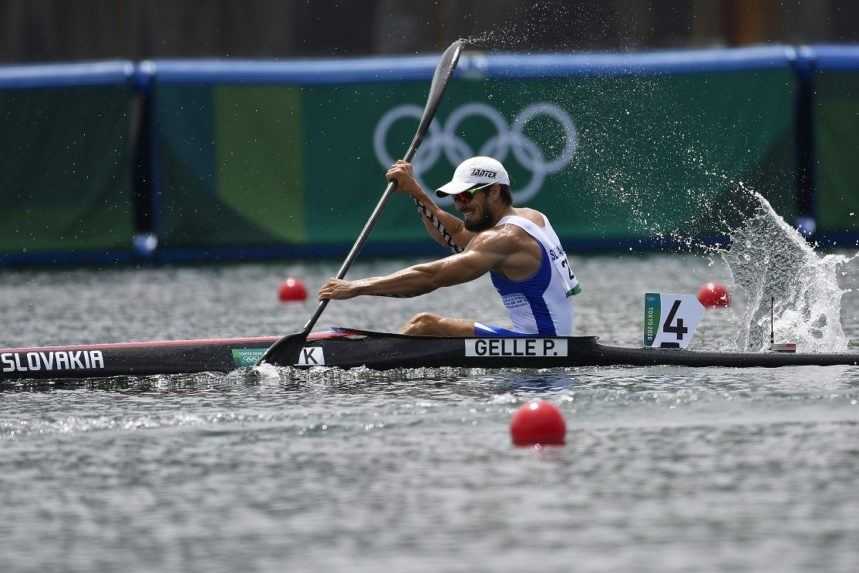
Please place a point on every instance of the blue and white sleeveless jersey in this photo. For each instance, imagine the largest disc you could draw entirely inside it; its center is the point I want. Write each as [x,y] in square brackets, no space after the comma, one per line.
[540,304]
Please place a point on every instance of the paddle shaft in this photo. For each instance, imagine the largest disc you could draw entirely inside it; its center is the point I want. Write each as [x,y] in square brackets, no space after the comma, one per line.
[374,216]
[285,350]
[356,248]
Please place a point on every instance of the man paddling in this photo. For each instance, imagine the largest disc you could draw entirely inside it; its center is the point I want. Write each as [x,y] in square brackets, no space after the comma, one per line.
[517,246]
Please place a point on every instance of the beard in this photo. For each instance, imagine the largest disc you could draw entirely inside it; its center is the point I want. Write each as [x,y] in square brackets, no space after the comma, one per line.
[481,224]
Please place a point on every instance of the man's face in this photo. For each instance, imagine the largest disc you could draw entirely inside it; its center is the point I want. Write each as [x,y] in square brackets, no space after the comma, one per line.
[474,209]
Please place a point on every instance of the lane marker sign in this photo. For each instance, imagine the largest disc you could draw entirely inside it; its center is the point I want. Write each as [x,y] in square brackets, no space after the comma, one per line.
[670,320]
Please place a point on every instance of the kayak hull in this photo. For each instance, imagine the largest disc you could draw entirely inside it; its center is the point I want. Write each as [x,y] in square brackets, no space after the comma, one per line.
[349,348]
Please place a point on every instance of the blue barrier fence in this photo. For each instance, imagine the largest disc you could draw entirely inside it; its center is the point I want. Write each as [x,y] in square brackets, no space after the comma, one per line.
[100,177]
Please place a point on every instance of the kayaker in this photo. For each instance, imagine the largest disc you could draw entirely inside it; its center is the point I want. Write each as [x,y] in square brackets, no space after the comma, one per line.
[517,246]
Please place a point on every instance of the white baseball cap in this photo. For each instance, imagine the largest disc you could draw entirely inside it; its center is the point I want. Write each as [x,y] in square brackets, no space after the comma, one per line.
[473,174]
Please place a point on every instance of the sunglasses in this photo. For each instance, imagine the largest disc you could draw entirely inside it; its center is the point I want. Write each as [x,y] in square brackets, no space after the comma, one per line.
[467,195]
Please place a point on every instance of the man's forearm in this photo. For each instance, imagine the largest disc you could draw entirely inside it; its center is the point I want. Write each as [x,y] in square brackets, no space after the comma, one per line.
[410,282]
[443,227]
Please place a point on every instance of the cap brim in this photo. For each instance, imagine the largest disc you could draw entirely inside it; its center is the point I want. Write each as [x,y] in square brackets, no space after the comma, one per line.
[456,188]
[453,188]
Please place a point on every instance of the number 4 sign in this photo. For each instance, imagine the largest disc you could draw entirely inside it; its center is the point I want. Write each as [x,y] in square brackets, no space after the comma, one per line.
[670,320]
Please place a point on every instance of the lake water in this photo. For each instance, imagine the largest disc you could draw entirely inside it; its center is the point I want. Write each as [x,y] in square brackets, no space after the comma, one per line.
[665,468]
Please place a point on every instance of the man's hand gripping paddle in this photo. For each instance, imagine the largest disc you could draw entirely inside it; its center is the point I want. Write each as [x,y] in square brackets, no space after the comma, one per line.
[285,352]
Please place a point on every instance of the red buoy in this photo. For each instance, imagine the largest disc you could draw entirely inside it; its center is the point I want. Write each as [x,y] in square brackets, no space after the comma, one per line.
[291,290]
[713,295]
[538,423]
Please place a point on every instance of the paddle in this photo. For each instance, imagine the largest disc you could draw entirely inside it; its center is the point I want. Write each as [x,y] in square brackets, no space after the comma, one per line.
[285,352]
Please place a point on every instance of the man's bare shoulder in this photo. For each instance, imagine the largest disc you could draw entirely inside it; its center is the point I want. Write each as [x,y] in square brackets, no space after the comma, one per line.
[504,239]
[532,215]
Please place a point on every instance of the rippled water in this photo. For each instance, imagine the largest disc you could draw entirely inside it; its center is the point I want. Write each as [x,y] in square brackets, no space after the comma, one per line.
[665,469]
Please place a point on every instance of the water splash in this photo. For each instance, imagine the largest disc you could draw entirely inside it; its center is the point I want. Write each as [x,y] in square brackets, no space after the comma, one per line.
[770,259]
[521,25]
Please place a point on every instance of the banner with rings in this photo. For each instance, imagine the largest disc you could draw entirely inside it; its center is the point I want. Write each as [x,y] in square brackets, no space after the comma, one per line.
[607,158]
[446,141]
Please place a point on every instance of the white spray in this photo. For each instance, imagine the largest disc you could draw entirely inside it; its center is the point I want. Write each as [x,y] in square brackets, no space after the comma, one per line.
[770,259]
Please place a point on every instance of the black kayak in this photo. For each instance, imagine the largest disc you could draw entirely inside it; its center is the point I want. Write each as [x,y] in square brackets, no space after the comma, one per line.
[131,358]
[350,348]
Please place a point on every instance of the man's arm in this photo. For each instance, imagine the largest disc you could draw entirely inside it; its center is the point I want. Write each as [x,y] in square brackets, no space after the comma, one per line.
[444,228]
[436,220]
[424,278]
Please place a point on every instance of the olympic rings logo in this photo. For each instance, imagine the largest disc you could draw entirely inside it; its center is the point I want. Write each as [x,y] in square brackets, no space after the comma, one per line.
[508,138]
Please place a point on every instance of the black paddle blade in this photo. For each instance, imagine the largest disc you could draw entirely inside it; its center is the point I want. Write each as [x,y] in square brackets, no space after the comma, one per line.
[286,351]
[440,78]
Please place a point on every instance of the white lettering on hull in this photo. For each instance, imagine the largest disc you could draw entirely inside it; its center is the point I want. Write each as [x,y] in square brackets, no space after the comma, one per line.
[311,356]
[52,360]
[515,347]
